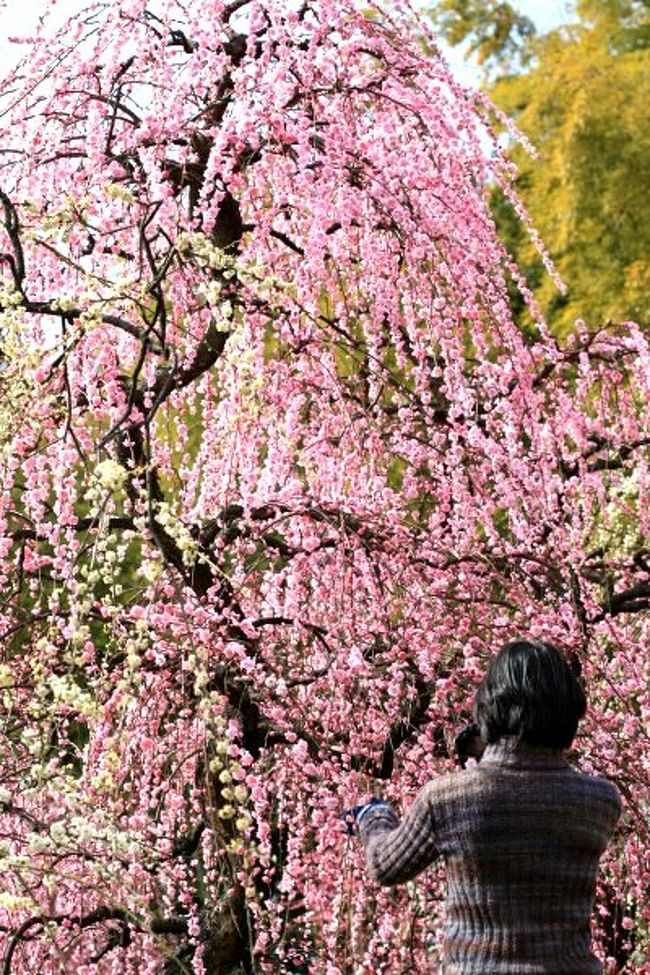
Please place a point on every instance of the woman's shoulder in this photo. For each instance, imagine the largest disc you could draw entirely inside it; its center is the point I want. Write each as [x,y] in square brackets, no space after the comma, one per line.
[456,785]
[598,786]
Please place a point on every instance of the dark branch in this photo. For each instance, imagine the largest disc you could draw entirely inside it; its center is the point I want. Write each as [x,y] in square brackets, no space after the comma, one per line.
[287,242]
[172,925]
[233,7]
[83,524]
[12,225]
[632,600]
[404,730]
[49,308]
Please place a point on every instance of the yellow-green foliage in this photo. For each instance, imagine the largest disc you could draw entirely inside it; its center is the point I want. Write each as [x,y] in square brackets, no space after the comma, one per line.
[581,96]
[489,27]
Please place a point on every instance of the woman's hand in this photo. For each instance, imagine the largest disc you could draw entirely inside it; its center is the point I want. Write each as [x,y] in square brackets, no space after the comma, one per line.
[351,817]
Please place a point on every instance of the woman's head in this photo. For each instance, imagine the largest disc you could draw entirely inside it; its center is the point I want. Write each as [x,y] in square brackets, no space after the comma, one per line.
[530,693]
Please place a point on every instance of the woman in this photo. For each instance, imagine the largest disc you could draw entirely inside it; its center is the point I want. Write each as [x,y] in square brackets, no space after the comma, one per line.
[521,832]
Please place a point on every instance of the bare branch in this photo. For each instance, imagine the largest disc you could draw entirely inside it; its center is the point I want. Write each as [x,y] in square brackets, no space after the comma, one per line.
[12,225]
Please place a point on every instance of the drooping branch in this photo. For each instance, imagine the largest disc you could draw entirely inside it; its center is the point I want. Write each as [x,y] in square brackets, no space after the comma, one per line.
[405,729]
[162,926]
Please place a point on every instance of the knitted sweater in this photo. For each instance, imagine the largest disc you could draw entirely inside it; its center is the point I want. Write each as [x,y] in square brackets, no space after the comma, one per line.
[521,835]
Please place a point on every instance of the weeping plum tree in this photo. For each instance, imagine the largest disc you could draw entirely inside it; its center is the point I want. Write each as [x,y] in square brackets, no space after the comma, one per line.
[279,473]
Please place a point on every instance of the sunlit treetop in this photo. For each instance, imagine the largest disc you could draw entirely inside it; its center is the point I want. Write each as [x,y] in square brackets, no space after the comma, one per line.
[579,94]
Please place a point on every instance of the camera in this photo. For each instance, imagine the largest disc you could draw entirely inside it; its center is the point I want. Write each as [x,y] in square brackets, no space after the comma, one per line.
[469,744]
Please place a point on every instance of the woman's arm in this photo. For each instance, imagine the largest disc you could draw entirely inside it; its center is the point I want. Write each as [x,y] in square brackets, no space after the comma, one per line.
[397,852]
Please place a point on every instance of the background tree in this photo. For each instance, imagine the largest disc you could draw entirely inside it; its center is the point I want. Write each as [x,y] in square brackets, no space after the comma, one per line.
[491,31]
[279,473]
[579,94]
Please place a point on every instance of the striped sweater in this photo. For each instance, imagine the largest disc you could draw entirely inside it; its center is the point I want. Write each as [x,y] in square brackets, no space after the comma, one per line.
[521,835]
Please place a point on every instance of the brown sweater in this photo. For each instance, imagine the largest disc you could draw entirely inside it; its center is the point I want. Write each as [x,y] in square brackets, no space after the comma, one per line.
[521,835]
